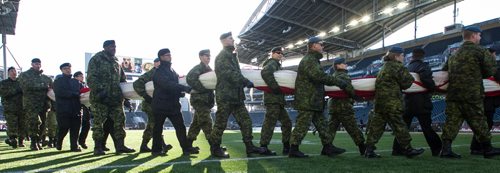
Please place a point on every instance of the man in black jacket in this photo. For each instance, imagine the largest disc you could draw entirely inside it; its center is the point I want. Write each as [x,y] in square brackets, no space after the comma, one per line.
[420,105]
[67,92]
[166,104]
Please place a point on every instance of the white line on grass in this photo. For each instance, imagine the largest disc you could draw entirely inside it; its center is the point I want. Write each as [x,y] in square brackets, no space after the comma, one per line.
[79,169]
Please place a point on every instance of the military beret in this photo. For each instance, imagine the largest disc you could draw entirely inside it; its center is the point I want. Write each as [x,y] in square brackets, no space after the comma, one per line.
[472,29]
[36,60]
[10,68]
[65,65]
[225,35]
[396,49]
[276,49]
[107,43]
[156,60]
[163,52]
[337,61]
[314,40]
[78,73]
[204,52]
[418,52]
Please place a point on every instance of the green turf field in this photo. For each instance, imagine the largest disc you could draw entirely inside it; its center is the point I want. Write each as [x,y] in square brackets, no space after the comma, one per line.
[51,160]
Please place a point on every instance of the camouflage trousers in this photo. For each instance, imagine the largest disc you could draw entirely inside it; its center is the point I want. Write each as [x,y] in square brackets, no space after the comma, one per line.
[51,124]
[201,121]
[103,112]
[378,121]
[36,122]
[342,112]
[240,113]
[148,132]
[304,119]
[16,123]
[473,113]
[275,112]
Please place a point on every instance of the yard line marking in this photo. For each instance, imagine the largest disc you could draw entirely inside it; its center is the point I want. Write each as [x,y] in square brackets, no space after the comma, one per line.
[79,169]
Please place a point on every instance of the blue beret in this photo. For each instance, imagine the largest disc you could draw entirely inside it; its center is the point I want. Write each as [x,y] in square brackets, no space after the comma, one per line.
[36,60]
[396,49]
[472,28]
[64,65]
[339,61]
[156,60]
[204,52]
[225,35]
[107,43]
[314,40]
[163,52]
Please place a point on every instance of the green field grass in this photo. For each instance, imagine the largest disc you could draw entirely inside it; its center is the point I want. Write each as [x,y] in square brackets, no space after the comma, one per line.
[51,160]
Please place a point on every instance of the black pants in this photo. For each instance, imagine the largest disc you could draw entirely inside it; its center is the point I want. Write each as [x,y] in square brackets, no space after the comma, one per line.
[490,105]
[425,120]
[177,121]
[85,125]
[71,123]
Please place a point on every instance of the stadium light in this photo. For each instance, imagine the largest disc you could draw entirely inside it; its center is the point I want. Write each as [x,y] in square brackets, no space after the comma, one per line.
[321,34]
[290,46]
[299,42]
[335,29]
[388,10]
[366,18]
[353,23]
[402,5]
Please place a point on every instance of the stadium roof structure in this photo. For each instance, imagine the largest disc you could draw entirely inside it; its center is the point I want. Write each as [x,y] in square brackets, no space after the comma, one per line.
[345,25]
[8,16]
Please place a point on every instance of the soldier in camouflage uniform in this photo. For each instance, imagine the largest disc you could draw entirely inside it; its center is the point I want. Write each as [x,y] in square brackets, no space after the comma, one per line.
[52,125]
[310,100]
[106,98]
[140,88]
[35,101]
[202,99]
[388,105]
[275,105]
[230,99]
[341,109]
[464,100]
[12,101]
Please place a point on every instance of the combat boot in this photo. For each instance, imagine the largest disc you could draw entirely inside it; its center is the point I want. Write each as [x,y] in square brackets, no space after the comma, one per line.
[294,152]
[12,141]
[370,152]
[267,151]
[446,152]
[59,143]
[411,152]
[121,148]
[286,148]
[98,151]
[330,150]
[144,146]
[21,142]
[190,144]
[337,150]
[216,151]
[488,150]
[190,150]
[251,149]
[362,148]
[34,145]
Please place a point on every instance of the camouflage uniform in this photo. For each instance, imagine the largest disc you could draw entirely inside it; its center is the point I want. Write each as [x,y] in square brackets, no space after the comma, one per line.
[35,101]
[140,88]
[275,106]
[464,100]
[12,101]
[341,111]
[230,96]
[310,98]
[388,105]
[52,121]
[104,76]
[202,100]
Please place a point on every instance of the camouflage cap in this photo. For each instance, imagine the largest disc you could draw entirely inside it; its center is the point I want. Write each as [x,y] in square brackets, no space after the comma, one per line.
[204,52]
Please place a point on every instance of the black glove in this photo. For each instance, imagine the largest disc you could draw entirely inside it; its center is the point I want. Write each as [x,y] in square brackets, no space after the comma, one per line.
[127,104]
[342,84]
[102,95]
[187,89]
[249,84]
[148,99]
[182,95]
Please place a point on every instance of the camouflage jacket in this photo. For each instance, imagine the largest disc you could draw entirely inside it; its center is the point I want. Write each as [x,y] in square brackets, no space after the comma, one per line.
[35,86]
[140,84]
[309,84]
[230,81]
[12,95]
[349,90]
[391,80]
[201,96]
[275,97]
[105,75]
[466,69]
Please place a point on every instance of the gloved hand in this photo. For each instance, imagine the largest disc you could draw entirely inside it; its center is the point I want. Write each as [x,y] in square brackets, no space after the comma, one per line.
[249,84]
[127,104]
[342,84]
[183,95]
[187,89]
[148,99]
[102,95]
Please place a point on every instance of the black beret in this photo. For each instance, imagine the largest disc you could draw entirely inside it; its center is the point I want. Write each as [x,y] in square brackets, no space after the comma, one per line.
[10,68]
[339,61]
[163,52]
[225,35]
[472,28]
[276,49]
[78,73]
[204,52]
[156,60]
[396,49]
[107,43]
[418,52]
[36,60]
[65,65]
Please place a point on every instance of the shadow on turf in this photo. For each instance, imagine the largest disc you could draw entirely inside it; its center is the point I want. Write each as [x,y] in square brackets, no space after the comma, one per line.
[34,154]
[122,163]
[47,163]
